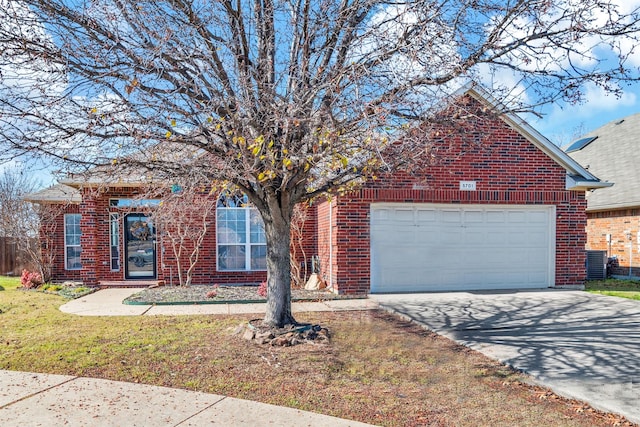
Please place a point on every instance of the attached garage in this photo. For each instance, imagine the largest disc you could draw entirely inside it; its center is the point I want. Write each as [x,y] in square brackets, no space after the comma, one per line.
[493,205]
[417,247]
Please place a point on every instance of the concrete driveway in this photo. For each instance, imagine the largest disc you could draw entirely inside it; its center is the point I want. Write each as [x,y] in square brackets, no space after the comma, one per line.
[580,345]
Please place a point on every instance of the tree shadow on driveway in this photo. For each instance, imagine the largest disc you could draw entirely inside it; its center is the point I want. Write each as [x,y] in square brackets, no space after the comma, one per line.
[581,345]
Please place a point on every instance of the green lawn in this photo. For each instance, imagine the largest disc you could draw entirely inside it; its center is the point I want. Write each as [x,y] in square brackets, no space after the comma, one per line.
[615,287]
[9,282]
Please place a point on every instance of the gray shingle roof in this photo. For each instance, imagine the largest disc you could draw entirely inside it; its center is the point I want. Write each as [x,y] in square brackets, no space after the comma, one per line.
[615,157]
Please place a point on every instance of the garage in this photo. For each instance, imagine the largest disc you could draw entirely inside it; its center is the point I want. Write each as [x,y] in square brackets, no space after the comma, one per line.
[443,247]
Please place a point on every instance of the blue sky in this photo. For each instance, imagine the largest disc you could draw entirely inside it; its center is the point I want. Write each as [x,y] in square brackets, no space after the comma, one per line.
[564,123]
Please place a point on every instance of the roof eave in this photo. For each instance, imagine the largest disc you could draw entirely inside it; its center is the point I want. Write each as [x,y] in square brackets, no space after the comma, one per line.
[578,183]
[93,184]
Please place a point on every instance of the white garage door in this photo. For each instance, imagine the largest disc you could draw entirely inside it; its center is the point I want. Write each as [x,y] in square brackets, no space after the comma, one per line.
[429,247]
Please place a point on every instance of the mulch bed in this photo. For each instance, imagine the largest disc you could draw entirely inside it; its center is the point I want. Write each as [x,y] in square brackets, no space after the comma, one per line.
[204,294]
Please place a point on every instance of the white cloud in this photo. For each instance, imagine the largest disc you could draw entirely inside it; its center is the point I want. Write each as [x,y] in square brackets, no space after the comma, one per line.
[563,123]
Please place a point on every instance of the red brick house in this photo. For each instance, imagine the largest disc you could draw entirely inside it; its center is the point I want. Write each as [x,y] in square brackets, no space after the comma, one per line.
[502,208]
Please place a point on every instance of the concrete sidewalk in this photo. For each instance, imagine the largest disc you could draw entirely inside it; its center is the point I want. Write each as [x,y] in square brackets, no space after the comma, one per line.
[28,399]
[108,302]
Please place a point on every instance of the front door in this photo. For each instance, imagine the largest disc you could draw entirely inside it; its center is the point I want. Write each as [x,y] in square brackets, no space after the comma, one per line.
[139,247]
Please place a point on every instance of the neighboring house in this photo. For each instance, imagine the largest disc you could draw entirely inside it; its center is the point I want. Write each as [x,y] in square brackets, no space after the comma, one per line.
[501,207]
[612,152]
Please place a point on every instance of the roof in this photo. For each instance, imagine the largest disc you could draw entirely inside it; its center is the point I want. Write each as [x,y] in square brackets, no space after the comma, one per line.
[58,193]
[614,156]
[578,177]
[130,172]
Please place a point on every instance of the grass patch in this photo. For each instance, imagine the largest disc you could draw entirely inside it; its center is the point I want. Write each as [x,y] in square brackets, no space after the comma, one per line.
[65,291]
[615,287]
[377,369]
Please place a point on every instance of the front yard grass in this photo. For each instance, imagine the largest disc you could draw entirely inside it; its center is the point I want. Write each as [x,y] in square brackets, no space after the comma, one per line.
[377,369]
[615,287]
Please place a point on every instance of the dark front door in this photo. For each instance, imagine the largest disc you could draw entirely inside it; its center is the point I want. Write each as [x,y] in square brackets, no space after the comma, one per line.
[139,247]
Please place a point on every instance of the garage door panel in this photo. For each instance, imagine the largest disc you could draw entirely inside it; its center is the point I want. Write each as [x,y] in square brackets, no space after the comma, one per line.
[403,214]
[450,216]
[473,216]
[496,216]
[516,217]
[538,217]
[427,215]
[538,239]
[436,247]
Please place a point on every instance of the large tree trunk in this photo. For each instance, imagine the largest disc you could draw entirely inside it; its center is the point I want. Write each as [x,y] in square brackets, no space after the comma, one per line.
[277,225]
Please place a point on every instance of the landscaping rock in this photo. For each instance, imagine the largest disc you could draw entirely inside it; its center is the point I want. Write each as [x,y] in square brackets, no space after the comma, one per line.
[284,337]
[249,334]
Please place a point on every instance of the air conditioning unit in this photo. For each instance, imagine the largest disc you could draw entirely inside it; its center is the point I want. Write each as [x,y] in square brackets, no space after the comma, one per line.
[596,265]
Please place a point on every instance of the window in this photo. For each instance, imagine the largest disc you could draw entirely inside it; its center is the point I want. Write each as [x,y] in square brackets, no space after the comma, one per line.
[240,235]
[72,247]
[134,203]
[114,238]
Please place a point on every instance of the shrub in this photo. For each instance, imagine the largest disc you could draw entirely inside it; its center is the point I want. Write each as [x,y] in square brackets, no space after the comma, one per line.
[262,289]
[212,294]
[30,280]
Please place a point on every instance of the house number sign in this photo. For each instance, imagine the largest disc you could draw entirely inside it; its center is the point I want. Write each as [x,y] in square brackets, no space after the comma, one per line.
[467,186]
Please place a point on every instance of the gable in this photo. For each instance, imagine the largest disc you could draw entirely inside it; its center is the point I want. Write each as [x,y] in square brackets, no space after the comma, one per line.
[470,142]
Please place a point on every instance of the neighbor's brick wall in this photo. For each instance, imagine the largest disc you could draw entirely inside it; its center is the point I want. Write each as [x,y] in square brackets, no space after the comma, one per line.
[617,223]
[507,169]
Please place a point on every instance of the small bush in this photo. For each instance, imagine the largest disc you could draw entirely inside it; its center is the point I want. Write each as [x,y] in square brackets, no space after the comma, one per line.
[212,294]
[262,289]
[30,280]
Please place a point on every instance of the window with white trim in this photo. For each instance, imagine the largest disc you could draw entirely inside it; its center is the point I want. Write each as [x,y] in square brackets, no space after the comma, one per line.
[72,248]
[240,237]
[114,239]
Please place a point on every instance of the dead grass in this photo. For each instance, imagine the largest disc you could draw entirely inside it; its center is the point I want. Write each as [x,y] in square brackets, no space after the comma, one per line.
[378,369]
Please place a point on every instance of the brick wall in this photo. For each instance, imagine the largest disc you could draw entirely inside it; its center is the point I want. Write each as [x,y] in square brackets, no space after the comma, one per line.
[507,169]
[96,250]
[623,226]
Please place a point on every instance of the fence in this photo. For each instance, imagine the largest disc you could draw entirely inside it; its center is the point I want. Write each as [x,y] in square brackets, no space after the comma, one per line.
[12,260]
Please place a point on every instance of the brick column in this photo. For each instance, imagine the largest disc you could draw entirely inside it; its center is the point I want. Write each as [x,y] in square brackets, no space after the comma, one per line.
[88,242]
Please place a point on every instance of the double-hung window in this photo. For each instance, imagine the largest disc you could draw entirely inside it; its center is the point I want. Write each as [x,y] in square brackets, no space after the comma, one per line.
[241,241]
[72,248]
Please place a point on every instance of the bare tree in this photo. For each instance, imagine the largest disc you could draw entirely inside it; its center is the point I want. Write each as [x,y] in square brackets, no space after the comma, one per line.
[286,99]
[299,258]
[183,219]
[18,218]
[43,254]
[15,213]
